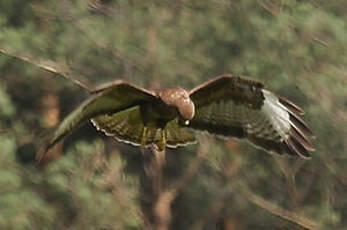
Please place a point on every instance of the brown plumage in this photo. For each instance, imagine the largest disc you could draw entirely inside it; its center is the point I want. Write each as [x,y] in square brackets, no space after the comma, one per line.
[231,106]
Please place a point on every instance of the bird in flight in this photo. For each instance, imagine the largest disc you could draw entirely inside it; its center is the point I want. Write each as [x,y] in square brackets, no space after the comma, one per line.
[229,106]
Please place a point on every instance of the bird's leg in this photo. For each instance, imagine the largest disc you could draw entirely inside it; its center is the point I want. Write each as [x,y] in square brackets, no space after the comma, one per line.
[161,144]
[144,139]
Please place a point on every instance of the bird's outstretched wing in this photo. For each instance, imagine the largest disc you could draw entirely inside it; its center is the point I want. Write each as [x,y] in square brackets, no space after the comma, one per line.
[109,99]
[240,107]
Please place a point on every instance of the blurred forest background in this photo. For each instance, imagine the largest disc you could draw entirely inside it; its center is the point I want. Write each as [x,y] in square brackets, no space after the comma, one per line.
[298,49]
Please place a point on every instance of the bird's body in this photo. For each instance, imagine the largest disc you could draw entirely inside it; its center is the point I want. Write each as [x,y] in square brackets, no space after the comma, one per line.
[157,120]
[228,105]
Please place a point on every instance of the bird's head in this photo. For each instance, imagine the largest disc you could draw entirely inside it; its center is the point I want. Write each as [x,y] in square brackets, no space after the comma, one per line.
[180,99]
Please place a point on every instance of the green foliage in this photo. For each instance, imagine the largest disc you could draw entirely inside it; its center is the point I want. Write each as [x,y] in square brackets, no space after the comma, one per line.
[297,48]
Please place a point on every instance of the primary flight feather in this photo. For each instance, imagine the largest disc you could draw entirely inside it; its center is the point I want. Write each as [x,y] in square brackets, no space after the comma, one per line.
[230,106]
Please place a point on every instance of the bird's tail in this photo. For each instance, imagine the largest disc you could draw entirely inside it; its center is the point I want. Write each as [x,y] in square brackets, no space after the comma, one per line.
[128,127]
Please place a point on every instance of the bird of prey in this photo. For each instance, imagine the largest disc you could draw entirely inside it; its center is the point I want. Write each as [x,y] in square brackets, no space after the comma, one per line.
[229,106]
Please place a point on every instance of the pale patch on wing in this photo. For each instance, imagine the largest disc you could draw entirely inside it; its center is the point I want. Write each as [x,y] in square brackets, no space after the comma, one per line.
[278,128]
[276,114]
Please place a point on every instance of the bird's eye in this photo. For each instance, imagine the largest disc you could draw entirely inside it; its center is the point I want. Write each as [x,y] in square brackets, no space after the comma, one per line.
[186,122]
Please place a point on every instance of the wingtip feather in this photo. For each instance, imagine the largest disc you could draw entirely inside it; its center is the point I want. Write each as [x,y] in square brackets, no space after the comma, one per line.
[291,106]
[300,124]
[301,138]
[297,148]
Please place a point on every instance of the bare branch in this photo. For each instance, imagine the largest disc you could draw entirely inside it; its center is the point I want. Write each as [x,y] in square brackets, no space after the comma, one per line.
[273,8]
[231,169]
[278,211]
[162,205]
[320,41]
[192,169]
[6,131]
[73,20]
[49,66]
[214,210]
[165,195]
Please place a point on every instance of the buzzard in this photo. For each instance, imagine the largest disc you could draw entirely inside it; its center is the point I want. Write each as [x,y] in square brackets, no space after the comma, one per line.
[229,106]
